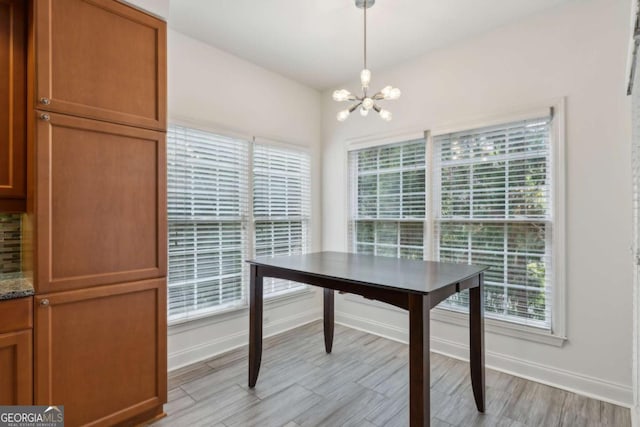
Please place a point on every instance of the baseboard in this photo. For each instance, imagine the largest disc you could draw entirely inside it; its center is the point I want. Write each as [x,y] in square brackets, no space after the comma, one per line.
[571,381]
[635,416]
[211,348]
[371,326]
[574,382]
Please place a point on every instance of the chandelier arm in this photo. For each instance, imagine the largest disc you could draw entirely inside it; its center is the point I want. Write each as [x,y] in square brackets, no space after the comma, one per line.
[378,96]
[353,107]
[377,108]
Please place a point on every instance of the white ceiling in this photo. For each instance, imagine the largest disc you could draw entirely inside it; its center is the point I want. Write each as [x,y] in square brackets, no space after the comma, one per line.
[319,42]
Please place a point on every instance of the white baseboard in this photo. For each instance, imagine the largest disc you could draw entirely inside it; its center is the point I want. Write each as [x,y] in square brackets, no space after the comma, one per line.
[211,348]
[635,416]
[371,326]
[585,385]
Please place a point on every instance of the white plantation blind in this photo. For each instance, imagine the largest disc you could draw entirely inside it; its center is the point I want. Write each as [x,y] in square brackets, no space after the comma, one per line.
[387,200]
[281,207]
[493,207]
[207,196]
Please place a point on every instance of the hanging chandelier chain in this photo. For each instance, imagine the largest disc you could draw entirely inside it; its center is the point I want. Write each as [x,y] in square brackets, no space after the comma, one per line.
[365,34]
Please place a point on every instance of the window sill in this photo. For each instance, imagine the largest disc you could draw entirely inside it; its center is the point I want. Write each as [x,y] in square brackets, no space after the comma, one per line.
[500,327]
[183,325]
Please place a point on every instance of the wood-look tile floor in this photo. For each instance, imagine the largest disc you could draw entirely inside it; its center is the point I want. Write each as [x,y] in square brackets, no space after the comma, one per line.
[363,383]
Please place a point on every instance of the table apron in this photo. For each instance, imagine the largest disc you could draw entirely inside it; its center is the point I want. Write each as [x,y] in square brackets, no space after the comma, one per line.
[397,298]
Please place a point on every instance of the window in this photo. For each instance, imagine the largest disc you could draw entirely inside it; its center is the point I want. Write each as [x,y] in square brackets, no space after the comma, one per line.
[388,200]
[212,226]
[493,207]
[281,207]
[207,183]
[490,203]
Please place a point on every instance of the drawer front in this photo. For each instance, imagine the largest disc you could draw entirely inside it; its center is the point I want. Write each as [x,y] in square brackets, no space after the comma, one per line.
[16,314]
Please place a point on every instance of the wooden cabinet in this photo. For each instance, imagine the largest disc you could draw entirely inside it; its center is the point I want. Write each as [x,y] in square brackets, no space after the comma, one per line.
[16,387]
[12,105]
[16,343]
[97,210]
[101,352]
[101,203]
[101,59]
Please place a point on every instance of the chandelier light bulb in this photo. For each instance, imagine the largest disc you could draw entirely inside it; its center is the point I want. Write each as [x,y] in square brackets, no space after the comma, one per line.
[367,103]
[394,94]
[385,115]
[342,115]
[386,91]
[364,112]
[341,95]
[365,78]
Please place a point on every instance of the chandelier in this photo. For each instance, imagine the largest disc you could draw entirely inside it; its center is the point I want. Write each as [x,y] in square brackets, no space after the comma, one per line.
[365,102]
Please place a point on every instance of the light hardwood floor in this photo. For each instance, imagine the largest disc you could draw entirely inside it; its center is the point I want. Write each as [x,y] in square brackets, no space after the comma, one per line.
[363,383]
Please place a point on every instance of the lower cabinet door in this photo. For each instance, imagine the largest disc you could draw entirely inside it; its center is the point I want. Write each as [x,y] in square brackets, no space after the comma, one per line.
[16,379]
[102,352]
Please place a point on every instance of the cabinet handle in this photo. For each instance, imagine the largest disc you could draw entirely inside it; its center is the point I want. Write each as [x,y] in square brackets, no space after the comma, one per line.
[44,302]
[45,101]
[44,117]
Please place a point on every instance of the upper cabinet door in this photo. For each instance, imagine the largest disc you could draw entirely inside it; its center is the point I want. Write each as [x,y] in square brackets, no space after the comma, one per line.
[12,104]
[101,59]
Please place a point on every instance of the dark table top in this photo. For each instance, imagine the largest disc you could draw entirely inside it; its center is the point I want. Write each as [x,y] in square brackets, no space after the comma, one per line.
[384,272]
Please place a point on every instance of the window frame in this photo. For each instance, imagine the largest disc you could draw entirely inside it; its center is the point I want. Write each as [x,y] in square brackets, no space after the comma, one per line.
[556,335]
[248,223]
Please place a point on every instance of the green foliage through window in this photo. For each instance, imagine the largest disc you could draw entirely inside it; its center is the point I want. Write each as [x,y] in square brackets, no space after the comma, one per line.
[491,205]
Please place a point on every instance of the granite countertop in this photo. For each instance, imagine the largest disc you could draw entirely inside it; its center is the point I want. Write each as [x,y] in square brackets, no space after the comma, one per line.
[15,285]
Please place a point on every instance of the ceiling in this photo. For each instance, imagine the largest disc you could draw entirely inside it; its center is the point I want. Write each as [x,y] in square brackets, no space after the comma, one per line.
[319,42]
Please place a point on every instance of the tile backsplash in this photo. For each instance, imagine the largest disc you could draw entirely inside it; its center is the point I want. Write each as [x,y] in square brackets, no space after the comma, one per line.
[10,243]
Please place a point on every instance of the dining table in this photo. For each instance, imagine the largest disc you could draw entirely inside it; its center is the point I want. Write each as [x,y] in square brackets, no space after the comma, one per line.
[416,286]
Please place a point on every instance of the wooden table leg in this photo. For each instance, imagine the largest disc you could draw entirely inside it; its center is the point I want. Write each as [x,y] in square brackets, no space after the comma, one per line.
[328,319]
[419,364]
[476,341]
[255,325]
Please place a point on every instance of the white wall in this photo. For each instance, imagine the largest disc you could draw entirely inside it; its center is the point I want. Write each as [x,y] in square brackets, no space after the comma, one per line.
[635,121]
[213,89]
[578,51]
[159,8]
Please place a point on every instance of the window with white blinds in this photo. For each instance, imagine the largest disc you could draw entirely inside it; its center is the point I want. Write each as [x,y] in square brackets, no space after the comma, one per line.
[491,204]
[215,224]
[207,196]
[387,209]
[281,207]
[492,207]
